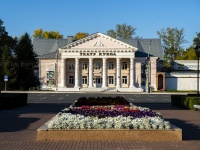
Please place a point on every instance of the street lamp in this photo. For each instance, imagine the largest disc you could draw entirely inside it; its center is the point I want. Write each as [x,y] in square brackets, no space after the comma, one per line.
[197,50]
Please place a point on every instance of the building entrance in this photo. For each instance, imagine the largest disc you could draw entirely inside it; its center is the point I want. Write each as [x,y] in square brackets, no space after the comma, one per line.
[97,82]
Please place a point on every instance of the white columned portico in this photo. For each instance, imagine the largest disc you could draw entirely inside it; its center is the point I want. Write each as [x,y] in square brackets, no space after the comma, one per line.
[118,74]
[63,73]
[131,72]
[76,73]
[104,73]
[90,72]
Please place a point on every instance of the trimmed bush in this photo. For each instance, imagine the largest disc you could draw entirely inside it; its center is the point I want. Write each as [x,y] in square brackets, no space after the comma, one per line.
[185,101]
[12,100]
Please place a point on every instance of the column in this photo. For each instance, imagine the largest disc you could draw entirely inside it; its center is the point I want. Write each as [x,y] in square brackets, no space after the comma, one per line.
[90,72]
[118,74]
[63,73]
[76,73]
[131,72]
[104,73]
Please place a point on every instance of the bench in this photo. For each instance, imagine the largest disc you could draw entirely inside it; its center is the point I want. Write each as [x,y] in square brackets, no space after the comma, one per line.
[196,107]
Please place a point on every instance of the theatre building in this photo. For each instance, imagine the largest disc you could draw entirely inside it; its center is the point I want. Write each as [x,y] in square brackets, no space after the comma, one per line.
[96,63]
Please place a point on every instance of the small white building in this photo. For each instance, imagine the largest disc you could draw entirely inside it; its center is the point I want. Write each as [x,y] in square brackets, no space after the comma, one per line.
[183,77]
[97,63]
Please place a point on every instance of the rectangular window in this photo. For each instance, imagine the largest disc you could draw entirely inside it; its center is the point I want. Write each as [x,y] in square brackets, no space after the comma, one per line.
[124,80]
[71,79]
[110,65]
[84,79]
[85,66]
[124,65]
[71,66]
[110,80]
[97,66]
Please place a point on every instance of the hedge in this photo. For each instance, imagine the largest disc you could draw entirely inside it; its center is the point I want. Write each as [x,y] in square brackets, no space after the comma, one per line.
[12,100]
[185,101]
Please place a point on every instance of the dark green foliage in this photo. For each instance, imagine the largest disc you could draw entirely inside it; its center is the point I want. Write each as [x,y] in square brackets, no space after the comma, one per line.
[12,100]
[26,61]
[7,45]
[185,101]
[196,40]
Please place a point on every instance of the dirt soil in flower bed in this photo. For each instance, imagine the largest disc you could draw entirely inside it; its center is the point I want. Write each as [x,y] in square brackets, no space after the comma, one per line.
[92,101]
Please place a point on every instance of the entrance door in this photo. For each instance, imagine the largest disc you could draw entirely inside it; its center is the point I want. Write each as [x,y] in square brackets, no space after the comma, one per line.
[97,82]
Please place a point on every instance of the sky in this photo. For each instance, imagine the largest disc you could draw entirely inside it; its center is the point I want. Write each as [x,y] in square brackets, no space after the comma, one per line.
[71,16]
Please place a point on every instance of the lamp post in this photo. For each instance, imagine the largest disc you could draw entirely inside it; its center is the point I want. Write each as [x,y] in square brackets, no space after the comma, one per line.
[148,74]
[197,50]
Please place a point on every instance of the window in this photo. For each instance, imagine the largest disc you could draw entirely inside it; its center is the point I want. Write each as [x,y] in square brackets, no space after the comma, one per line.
[85,65]
[110,65]
[97,66]
[71,79]
[84,79]
[71,66]
[110,80]
[124,65]
[124,79]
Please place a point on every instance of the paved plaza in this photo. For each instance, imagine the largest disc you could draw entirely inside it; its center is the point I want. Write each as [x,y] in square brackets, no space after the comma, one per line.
[18,127]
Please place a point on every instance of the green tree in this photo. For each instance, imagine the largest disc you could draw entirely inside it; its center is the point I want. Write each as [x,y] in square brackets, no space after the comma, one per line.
[196,40]
[122,31]
[188,54]
[172,38]
[7,45]
[47,34]
[8,67]
[80,35]
[26,60]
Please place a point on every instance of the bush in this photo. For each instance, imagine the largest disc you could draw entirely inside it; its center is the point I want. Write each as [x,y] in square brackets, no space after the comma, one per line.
[12,100]
[185,101]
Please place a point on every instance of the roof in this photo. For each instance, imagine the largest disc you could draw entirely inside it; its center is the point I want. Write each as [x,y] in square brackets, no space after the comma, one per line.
[96,35]
[152,47]
[51,55]
[44,48]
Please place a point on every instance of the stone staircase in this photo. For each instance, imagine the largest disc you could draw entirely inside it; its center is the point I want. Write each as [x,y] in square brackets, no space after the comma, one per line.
[110,90]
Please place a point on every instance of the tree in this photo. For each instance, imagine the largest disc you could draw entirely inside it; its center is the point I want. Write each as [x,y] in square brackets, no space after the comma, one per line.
[7,45]
[196,40]
[26,60]
[122,31]
[172,38]
[188,54]
[47,34]
[80,35]
[8,67]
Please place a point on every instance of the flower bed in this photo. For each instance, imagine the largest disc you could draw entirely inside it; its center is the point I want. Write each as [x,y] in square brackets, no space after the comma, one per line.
[91,101]
[108,122]
[108,117]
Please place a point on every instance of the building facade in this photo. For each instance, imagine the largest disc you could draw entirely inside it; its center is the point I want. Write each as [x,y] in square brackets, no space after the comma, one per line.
[96,63]
[183,77]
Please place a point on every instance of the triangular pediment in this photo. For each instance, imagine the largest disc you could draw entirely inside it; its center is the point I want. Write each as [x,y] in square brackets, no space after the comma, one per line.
[98,41]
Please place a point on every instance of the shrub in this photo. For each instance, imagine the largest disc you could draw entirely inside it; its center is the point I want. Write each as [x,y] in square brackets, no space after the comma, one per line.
[11,100]
[185,101]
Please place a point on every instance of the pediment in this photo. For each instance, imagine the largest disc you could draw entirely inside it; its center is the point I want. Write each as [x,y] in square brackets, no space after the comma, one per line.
[98,41]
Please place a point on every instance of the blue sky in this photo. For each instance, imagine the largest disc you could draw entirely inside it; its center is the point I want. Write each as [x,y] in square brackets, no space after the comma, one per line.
[71,16]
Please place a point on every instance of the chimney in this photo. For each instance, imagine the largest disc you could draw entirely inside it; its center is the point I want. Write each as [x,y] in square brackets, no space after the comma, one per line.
[70,39]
